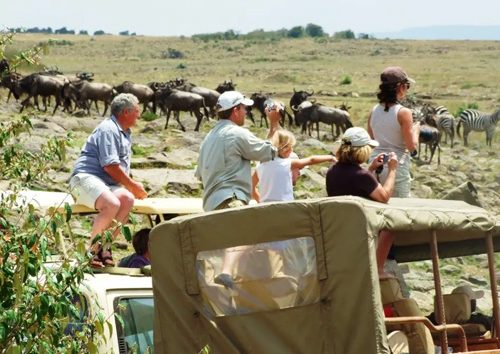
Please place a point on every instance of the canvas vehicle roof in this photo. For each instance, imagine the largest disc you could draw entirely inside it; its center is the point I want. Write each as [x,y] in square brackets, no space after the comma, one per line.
[346,318]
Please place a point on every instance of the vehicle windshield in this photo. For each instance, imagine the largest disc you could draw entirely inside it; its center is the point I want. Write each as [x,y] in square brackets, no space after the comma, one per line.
[135,330]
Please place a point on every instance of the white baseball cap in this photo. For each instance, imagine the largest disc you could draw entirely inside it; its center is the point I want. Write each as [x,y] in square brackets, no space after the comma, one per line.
[357,136]
[230,99]
[467,290]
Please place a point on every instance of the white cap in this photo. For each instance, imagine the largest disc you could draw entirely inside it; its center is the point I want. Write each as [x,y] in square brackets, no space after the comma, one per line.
[467,290]
[230,99]
[357,136]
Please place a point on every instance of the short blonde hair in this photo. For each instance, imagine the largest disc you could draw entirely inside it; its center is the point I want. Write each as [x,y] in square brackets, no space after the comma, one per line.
[353,154]
[283,139]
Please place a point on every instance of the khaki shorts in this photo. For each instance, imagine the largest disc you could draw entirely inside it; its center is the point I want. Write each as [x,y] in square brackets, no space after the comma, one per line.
[86,188]
[230,203]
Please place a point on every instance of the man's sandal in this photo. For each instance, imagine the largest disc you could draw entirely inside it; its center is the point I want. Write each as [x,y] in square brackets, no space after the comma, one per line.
[95,261]
[106,257]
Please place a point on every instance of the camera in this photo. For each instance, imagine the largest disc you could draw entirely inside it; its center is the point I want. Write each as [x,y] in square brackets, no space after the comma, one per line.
[385,158]
[269,104]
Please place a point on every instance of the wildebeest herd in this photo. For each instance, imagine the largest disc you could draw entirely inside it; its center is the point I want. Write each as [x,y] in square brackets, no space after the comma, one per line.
[77,92]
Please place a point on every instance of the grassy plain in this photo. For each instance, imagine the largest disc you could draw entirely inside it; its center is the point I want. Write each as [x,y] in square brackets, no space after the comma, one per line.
[452,73]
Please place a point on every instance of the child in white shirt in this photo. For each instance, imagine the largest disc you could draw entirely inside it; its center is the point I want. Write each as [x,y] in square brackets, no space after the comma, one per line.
[275,177]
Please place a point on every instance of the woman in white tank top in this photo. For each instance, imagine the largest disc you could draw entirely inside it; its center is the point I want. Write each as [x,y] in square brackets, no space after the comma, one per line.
[391,125]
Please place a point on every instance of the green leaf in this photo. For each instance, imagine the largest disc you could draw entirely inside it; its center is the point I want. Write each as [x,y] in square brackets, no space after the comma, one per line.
[68,210]
[92,347]
[98,327]
[120,319]
[53,226]
[3,331]
[110,328]
[127,233]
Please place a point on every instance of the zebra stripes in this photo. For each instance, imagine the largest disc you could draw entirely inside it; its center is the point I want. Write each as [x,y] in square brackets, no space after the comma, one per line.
[473,120]
[445,123]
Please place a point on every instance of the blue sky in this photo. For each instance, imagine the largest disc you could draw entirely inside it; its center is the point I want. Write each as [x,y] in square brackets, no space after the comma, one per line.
[187,17]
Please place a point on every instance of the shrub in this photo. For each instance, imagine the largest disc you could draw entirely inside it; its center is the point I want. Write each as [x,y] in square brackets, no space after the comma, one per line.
[149,116]
[172,53]
[313,30]
[52,42]
[348,34]
[296,32]
[465,106]
[181,66]
[36,301]
[346,80]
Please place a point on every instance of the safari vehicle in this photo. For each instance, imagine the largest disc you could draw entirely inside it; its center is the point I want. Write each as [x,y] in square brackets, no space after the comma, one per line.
[113,290]
[124,292]
[304,277]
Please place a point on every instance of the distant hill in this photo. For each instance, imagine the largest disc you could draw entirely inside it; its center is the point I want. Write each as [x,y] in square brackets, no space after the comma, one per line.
[445,32]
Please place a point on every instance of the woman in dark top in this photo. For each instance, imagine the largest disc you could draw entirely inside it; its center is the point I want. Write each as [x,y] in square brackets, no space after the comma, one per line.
[347,177]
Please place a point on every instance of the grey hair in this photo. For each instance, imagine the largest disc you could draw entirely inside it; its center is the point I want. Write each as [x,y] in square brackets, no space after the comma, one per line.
[122,102]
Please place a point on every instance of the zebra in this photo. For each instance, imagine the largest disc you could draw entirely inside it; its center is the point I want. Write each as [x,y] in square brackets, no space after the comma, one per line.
[445,123]
[478,121]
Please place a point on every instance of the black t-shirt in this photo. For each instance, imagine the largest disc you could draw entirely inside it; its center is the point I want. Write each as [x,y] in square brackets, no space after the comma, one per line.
[350,179]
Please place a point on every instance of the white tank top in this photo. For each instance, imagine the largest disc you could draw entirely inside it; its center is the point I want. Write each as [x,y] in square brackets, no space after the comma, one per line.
[275,180]
[387,130]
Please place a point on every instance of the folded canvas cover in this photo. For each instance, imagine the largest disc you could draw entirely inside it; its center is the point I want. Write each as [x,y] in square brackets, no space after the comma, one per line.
[305,278]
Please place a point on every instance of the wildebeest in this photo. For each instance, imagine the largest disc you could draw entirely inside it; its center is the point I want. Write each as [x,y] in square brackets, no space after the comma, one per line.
[4,66]
[430,136]
[298,97]
[227,85]
[83,91]
[11,81]
[259,102]
[309,113]
[144,93]
[169,100]
[210,96]
[41,85]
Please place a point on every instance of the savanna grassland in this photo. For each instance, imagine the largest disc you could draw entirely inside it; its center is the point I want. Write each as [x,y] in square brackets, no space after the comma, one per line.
[450,73]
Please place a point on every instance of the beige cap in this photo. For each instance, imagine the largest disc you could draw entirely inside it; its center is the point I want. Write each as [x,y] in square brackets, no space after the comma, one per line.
[357,136]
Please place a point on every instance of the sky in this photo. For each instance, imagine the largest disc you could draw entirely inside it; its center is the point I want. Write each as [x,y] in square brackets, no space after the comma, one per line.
[188,17]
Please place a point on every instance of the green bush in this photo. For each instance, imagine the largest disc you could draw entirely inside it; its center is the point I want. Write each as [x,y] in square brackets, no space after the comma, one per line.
[346,80]
[36,300]
[313,30]
[172,53]
[465,106]
[52,42]
[149,116]
[348,34]
[296,32]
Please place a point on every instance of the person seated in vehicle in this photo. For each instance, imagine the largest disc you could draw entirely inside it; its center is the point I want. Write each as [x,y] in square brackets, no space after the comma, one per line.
[348,177]
[475,317]
[141,257]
